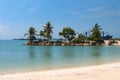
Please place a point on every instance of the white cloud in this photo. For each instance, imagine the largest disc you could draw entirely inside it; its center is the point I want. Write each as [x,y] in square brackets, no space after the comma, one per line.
[102,12]
[96,13]
[81,15]
[31,10]
[95,9]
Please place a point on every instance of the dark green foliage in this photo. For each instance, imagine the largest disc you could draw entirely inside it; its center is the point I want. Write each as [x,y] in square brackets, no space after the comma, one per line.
[40,40]
[79,39]
[96,34]
[41,33]
[31,32]
[48,30]
[68,33]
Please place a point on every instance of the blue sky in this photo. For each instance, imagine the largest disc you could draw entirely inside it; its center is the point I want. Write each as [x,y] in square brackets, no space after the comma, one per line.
[16,16]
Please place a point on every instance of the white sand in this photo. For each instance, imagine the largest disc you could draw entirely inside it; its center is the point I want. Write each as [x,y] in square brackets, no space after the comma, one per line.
[101,72]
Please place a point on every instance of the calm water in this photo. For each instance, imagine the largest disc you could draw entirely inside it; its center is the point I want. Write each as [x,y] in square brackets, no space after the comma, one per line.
[15,57]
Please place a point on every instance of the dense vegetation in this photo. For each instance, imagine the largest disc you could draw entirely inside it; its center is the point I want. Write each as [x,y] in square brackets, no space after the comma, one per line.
[31,34]
[67,33]
[47,31]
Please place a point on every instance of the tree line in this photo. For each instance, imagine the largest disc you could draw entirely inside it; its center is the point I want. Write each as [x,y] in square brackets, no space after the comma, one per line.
[67,32]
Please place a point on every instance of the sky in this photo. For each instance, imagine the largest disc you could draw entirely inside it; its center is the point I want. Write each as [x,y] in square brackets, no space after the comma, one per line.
[16,16]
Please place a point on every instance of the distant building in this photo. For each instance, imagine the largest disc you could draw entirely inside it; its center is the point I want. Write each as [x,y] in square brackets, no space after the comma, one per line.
[107,37]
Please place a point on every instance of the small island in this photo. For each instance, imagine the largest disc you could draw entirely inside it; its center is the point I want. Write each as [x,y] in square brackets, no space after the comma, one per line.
[94,37]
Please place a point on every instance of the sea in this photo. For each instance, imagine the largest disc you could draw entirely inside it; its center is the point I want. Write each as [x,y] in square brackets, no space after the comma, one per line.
[16,57]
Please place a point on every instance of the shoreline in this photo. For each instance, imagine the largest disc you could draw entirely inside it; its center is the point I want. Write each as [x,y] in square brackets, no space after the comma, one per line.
[71,43]
[54,69]
[109,71]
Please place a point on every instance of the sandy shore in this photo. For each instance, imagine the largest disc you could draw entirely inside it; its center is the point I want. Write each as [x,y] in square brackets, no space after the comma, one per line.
[101,72]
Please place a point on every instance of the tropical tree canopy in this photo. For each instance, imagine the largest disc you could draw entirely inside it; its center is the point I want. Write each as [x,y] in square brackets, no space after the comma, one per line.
[96,33]
[31,30]
[79,39]
[41,33]
[68,33]
[31,34]
[48,30]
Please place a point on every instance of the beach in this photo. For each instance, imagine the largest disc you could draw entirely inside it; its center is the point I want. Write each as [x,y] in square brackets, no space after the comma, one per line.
[100,72]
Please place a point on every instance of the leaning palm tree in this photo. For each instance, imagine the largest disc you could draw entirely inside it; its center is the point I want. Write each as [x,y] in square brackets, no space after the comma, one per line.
[31,34]
[48,30]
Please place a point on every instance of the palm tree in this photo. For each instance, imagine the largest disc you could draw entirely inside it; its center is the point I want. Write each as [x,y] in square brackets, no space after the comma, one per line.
[96,33]
[31,34]
[48,30]
[41,33]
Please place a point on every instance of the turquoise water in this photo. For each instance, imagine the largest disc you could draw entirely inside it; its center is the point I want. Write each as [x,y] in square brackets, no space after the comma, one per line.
[15,57]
